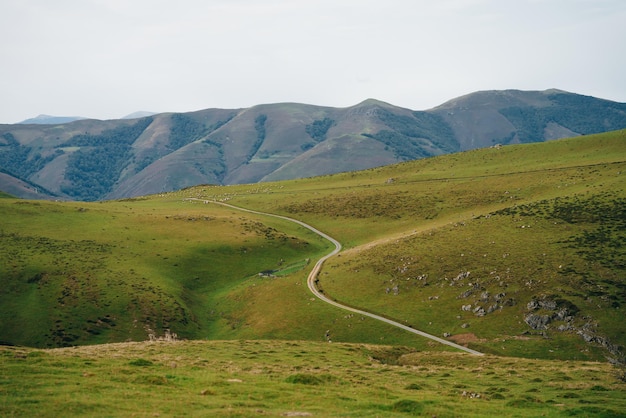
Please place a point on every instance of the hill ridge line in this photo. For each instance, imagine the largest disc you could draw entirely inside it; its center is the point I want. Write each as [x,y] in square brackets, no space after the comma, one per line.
[312,277]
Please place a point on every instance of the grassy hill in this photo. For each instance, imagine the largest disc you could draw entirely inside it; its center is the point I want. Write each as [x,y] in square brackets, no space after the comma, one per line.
[515,251]
[511,243]
[93,273]
[516,235]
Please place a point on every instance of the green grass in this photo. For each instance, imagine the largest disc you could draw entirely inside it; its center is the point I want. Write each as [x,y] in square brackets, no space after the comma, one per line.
[502,214]
[84,273]
[509,258]
[104,272]
[278,378]
[519,232]
[357,207]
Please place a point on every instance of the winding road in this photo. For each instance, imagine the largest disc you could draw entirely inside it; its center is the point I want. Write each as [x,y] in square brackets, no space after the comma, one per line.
[318,266]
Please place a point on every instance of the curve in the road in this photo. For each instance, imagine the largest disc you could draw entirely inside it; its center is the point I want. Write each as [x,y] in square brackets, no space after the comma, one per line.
[318,266]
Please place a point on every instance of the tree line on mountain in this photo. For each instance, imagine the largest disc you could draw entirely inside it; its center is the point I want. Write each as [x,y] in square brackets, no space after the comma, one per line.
[93,169]
[259,127]
[600,116]
[317,130]
[21,161]
[185,130]
[409,136]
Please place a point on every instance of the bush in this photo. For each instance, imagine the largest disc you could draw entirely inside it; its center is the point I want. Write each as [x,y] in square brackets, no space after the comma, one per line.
[141,362]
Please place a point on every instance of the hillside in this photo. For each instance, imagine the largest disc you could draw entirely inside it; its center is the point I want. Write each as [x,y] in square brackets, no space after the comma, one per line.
[21,188]
[519,246]
[528,236]
[93,160]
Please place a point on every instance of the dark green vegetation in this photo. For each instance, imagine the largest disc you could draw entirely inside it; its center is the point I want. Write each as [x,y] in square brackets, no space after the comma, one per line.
[319,128]
[276,378]
[531,123]
[18,160]
[95,160]
[97,164]
[414,136]
[515,251]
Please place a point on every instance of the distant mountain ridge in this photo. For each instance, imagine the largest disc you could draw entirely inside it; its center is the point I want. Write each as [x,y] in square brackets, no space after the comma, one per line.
[50,120]
[57,120]
[94,160]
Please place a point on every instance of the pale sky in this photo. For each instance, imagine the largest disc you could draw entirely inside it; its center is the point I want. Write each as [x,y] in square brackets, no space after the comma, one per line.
[105,59]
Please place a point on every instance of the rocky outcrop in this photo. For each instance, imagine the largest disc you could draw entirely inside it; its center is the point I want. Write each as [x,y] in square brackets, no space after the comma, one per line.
[545,311]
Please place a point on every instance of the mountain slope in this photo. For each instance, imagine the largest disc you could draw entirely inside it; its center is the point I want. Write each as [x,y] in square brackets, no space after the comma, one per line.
[486,118]
[95,160]
[26,190]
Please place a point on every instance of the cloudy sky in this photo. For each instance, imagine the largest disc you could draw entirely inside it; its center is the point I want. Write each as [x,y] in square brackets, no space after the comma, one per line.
[107,58]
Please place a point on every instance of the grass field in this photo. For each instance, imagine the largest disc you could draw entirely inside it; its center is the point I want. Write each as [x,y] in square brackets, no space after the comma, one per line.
[514,251]
[296,378]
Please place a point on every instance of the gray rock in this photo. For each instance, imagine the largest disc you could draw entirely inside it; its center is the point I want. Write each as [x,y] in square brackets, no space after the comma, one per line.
[538,321]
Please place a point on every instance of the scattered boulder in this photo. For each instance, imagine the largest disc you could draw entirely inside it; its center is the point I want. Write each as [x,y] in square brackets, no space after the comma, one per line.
[538,322]
[493,308]
[561,310]
[479,311]
[470,394]
[546,304]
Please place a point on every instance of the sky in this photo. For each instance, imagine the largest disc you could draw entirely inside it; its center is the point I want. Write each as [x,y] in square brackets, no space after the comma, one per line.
[104,59]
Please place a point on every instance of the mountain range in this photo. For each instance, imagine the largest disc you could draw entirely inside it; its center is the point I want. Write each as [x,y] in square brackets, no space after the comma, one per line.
[93,160]
[56,120]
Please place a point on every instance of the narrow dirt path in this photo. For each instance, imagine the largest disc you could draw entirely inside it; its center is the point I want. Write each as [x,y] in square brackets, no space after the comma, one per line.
[312,278]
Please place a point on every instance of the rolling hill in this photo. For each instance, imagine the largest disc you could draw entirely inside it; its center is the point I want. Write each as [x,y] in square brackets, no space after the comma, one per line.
[94,160]
[515,251]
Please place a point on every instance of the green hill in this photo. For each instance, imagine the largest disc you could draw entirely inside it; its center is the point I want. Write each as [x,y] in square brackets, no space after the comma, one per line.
[520,246]
[515,251]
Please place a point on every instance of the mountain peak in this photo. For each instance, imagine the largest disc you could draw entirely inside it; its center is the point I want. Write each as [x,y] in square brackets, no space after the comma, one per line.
[373,102]
[139,114]
[502,98]
[50,120]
